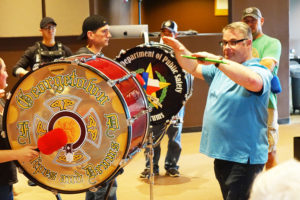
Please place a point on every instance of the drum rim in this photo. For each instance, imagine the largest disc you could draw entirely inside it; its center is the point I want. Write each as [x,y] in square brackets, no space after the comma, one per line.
[127,114]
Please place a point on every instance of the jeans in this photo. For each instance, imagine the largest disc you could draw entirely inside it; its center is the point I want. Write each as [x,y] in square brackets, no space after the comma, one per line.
[174,144]
[100,194]
[6,192]
[236,179]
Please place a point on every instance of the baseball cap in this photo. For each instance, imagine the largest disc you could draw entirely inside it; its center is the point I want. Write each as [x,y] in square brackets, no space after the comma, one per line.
[252,12]
[45,21]
[92,23]
[170,25]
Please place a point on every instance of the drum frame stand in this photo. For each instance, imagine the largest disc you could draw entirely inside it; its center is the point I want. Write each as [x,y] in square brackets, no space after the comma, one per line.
[58,197]
[150,154]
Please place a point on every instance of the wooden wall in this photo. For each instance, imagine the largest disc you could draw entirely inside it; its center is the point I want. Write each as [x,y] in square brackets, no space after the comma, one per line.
[189,14]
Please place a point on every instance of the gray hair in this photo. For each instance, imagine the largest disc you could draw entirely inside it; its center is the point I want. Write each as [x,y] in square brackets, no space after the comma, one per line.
[242,27]
[279,183]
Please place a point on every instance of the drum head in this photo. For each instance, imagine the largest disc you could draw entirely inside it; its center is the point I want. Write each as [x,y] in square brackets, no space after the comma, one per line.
[162,79]
[76,98]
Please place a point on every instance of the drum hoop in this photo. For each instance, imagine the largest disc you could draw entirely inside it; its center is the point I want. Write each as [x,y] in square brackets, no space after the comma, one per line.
[124,105]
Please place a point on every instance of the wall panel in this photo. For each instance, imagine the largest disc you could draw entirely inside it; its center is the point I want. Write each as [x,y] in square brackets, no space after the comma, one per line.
[69,15]
[20,18]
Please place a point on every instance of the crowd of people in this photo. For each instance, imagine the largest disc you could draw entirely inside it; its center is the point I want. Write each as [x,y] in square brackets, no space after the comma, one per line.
[240,129]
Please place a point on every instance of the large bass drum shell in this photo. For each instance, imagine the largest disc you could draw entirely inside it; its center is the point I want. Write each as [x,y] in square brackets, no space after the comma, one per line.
[106,122]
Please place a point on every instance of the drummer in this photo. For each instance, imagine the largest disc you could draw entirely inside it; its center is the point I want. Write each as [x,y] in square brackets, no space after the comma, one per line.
[95,30]
[8,171]
[168,28]
[43,51]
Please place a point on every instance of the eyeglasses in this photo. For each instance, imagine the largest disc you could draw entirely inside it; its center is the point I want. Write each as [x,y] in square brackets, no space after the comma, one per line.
[231,43]
[49,27]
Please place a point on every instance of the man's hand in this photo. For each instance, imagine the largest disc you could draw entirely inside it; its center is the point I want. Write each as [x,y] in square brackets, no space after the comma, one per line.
[172,42]
[206,55]
[27,153]
[272,160]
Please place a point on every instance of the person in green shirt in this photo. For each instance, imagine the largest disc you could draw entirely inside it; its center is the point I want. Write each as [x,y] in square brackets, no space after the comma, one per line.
[268,49]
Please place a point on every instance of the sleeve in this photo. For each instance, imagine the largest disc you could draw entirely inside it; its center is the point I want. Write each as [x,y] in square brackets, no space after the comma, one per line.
[208,72]
[266,76]
[67,50]
[272,50]
[27,60]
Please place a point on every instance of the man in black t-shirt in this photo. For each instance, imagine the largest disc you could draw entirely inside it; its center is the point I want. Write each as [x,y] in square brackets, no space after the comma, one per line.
[95,30]
[43,51]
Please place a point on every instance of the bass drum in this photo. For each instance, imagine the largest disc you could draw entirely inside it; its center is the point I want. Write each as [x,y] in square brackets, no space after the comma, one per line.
[166,84]
[100,106]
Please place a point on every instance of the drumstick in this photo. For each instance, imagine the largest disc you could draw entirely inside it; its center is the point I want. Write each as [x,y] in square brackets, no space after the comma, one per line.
[52,141]
[204,59]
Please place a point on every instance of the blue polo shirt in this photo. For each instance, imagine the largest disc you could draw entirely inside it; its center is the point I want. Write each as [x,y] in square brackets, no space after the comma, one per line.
[235,119]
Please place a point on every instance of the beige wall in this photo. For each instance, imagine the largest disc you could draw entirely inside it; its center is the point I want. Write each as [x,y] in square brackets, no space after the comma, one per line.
[69,15]
[20,18]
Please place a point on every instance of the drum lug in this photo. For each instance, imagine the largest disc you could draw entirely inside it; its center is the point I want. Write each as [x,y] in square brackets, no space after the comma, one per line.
[124,161]
[93,189]
[112,83]
[83,59]
[100,55]
[142,112]
[130,121]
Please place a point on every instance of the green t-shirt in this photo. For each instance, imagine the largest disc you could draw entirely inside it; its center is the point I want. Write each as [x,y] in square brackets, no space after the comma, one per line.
[268,47]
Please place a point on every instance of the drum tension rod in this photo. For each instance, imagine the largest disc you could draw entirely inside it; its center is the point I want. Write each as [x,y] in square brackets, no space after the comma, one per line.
[133,118]
[112,83]
[124,161]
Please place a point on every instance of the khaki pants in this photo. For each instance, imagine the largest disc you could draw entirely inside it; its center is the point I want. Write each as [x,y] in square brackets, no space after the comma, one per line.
[272,129]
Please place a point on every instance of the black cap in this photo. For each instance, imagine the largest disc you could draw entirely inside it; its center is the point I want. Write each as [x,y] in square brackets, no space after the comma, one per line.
[170,25]
[45,21]
[252,12]
[92,23]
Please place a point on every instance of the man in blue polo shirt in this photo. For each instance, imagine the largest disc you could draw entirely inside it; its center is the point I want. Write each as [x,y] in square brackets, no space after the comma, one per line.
[235,116]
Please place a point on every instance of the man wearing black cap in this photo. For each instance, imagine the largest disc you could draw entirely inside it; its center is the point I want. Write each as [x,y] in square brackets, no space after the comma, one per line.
[44,51]
[95,30]
[268,49]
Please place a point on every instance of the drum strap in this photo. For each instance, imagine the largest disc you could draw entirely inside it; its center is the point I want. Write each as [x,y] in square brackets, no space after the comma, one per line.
[43,55]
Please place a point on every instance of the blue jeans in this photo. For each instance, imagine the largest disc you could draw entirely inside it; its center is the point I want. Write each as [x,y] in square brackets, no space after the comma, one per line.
[174,144]
[6,192]
[236,179]
[100,194]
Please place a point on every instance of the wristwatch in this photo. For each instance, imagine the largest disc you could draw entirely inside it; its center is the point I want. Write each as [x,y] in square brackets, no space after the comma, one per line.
[217,64]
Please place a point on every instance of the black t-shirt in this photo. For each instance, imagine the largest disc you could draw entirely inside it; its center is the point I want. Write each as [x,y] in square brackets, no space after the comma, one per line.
[8,172]
[30,56]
